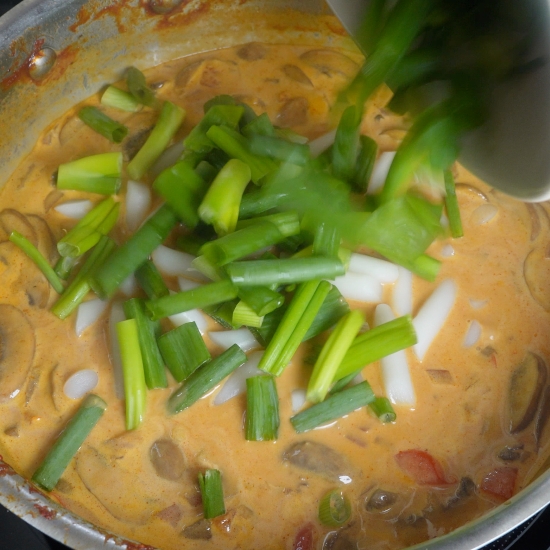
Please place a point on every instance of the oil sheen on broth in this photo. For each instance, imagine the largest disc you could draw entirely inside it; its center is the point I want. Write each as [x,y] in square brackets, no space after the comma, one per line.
[142,484]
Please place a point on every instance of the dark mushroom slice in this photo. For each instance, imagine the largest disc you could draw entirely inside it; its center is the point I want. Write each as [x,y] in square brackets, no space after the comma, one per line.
[46,242]
[381,501]
[331,63]
[295,73]
[542,418]
[167,459]
[17,345]
[512,454]
[440,376]
[200,530]
[536,272]
[526,385]
[339,540]
[135,142]
[318,459]
[12,220]
[52,198]
[293,113]
[252,51]
[466,489]
[183,77]
[172,514]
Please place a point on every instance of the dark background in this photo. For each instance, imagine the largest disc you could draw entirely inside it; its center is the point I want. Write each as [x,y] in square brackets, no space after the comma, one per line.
[15,534]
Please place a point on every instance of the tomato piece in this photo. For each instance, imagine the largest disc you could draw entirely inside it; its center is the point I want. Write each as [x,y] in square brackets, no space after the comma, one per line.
[422,467]
[304,538]
[500,482]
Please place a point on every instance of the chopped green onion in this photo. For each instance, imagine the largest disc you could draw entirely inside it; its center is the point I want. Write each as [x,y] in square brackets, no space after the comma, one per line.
[292,270]
[183,350]
[103,124]
[137,86]
[223,314]
[365,162]
[205,378]
[451,204]
[291,135]
[212,493]
[377,343]
[243,314]
[220,206]
[260,125]
[204,266]
[222,99]
[343,382]
[148,331]
[70,440]
[151,280]
[190,243]
[218,115]
[96,174]
[261,299]
[334,509]
[383,409]
[277,148]
[80,285]
[332,354]
[206,171]
[217,158]
[34,254]
[424,266]
[262,409]
[135,389]
[257,202]
[327,240]
[119,99]
[235,145]
[288,223]
[127,258]
[344,254]
[183,190]
[170,118]
[64,266]
[294,325]
[336,406]
[346,144]
[242,243]
[200,297]
[88,231]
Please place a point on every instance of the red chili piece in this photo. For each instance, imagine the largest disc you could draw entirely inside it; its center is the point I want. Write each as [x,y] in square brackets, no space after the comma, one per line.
[422,467]
[304,538]
[500,482]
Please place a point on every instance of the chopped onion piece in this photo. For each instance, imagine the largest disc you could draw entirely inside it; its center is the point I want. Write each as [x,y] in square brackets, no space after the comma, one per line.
[484,214]
[322,143]
[129,285]
[168,158]
[447,251]
[472,335]
[236,383]
[432,315]
[117,315]
[298,400]
[80,383]
[443,220]
[138,202]
[357,379]
[382,270]
[395,368]
[173,262]
[478,304]
[76,209]
[242,337]
[187,284]
[402,295]
[380,172]
[88,313]
[357,286]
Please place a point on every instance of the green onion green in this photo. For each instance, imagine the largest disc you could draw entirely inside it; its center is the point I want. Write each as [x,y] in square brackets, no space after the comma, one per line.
[243,314]
[151,280]
[346,145]
[382,408]
[137,87]
[451,204]
[119,99]
[334,509]
[210,484]
[262,409]
[103,124]
[365,162]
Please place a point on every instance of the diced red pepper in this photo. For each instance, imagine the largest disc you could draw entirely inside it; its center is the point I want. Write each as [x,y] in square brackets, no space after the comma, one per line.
[422,467]
[500,483]
[304,538]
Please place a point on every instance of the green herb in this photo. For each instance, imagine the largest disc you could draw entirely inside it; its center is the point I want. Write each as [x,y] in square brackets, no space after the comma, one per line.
[96,174]
[212,493]
[451,204]
[119,99]
[262,409]
[383,409]
[103,124]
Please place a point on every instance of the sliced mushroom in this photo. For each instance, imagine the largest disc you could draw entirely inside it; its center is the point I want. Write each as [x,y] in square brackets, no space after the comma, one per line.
[295,73]
[200,530]
[52,198]
[319,459]
[338,540]
[46,242]
[535,221]
[512,454]
[32,384]
[172,514]
[293,113]
[330,62]
[252,51]
[440,376]
[17,345]
[536,272]
[466,489]
[542,418]
[12,220]
[184,76]
[381,501]
[135,142]
[526,385]
[12,431]
[167,459]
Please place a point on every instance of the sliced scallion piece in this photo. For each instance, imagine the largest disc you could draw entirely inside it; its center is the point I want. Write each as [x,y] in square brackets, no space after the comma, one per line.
[205,378]
[183,350]
[127,258]
[334,509]
[332,354]
[148,331]
[200,297]
[262,409]
[327,240]
[170,118]
[222,99]
[223,314]
[64,267]
[151,280]
[243,314]
[207,268]
[137,86]
[95,174]
[451,204]
[260,125]
[383,409]
[190,243]
[67,444]
[220,206]
[365,162]
[103,124]
[336,406]
[261,299]
[212,493]
[346,144]
[288,223]
[34,254]
[277,148]
[135,389]
[119,99]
